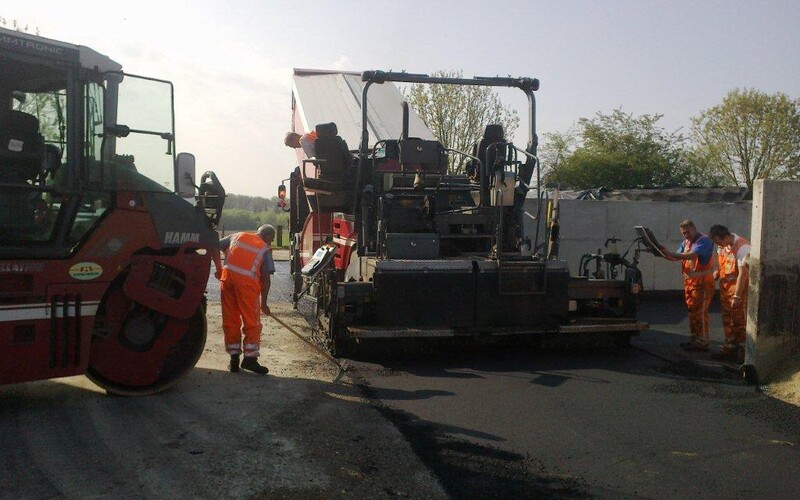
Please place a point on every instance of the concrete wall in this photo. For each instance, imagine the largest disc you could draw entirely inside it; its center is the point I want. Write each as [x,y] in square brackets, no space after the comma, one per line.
[773,323]
[586,224]
[771,222]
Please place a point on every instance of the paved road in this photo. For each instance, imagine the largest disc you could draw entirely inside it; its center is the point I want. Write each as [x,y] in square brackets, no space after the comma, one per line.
[650,421]
[497,422]
[212,435]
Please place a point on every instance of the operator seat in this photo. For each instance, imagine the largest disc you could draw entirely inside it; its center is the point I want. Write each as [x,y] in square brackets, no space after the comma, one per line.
[22,159]
[21,145]
[333,182]
[492,134]
[334,152]
[488,154]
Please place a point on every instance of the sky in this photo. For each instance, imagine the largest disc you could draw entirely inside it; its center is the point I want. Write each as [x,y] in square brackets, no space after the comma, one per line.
[231,61]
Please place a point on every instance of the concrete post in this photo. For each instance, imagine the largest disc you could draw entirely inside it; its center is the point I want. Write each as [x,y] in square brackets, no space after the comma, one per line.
[773,323]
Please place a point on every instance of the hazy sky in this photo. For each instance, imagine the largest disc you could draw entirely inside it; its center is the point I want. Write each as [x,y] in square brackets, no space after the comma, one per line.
[231,60]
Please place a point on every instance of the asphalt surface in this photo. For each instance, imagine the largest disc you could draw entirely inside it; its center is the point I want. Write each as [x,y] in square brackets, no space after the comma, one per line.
[650,421]
[303,431]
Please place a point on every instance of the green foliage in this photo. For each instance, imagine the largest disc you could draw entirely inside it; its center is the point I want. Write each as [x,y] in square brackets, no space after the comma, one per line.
[252,203]
[616,151]
[243,213]
[555,149]
[750,135]
[458,114]
[701,174]
[237,219]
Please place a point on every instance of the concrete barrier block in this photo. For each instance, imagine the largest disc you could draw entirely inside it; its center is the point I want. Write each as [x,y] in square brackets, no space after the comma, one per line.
[773,318]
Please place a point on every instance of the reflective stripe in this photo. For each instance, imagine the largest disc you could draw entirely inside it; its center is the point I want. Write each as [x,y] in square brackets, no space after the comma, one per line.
[239,244]
[32,312]
[251,346]
[238,251]
[239,270]
[345,241]
[259,258]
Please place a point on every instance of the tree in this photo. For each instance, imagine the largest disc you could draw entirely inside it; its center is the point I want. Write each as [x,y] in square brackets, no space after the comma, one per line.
[239,219]
[617,151]
[458,114]
[252,203]
[750,135]
[242,212]
[555,149]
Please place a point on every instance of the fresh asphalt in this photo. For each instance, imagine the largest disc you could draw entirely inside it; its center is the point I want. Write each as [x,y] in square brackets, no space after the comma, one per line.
[650,421]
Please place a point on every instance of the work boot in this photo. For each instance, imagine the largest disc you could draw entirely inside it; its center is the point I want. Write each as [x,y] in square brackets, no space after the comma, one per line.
[251,364]
[234,364]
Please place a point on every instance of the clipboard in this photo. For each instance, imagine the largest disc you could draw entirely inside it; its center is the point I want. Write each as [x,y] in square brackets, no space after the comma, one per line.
[649,240]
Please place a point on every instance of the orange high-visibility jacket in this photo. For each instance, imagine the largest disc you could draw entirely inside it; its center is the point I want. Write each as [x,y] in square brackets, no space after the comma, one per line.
[694,269]
[244,256]
[726,259]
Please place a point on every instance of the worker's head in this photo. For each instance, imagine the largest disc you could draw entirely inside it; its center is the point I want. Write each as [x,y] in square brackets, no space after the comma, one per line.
[688,229]
[266,233]
[292,140]
[720,235]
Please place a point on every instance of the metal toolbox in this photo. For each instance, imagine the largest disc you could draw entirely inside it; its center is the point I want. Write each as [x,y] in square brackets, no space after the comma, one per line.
[412,245]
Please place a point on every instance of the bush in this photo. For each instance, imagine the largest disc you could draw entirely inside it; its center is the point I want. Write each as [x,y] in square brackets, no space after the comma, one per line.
[237,219]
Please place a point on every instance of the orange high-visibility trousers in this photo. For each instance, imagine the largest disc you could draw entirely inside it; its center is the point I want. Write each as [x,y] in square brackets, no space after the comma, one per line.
[698,293]
[241,314]
[734,319]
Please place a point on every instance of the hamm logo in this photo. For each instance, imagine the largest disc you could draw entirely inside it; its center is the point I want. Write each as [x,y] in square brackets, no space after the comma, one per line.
[174,237]
[85,271]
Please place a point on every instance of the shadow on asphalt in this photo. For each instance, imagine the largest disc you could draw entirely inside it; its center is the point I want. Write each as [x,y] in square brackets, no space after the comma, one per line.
[654,353]
[470,470]
[401,395]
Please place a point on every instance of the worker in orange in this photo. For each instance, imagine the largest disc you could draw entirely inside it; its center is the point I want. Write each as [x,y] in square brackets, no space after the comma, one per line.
[733,273]
[305,141]
[698,282]
[245,276]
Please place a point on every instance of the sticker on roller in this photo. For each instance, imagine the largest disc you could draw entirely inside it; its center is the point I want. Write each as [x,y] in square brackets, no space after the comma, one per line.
[85,271]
